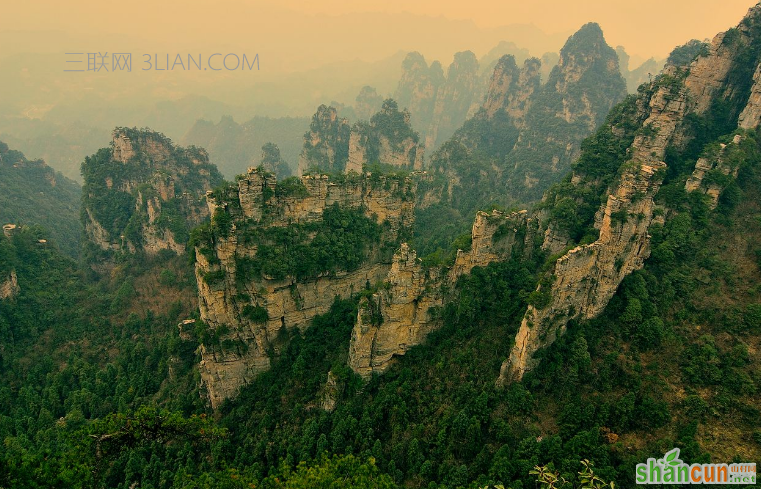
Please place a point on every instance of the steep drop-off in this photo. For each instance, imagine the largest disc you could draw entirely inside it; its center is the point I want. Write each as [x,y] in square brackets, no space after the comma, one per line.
[277,254]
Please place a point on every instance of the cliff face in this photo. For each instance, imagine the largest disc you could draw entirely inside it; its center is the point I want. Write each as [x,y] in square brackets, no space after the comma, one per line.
[714,170]
[580,91]
[584,279]
[144,193]
[418,87]
[457,98]
[440,104]
[405,308]
[277,254]
[511,89]
[9,287]
[388,138]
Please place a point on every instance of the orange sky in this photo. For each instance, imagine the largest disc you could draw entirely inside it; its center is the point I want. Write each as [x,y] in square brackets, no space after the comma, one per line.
[291,29]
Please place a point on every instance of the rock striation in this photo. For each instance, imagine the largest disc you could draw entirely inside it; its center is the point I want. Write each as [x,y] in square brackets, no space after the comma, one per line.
[144,193]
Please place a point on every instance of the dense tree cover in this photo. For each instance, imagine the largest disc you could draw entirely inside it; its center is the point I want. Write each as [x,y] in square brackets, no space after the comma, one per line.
[684,55]
[340,241]
[99,393]
[73,352]
[31,193]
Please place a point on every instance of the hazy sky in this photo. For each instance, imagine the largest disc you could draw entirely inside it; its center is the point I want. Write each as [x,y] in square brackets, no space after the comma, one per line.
[292,29]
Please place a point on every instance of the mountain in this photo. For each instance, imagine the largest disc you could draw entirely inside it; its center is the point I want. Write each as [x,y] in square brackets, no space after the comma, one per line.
[33,194]
[388,139]
[236,147]
[312,343]
[439,104]
[524,137]
[143,193]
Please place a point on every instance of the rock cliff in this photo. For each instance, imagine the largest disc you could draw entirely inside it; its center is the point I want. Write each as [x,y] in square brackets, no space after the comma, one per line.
[276,254]
[526,135]
[583,279]
[405,308]
[417,89]
[9,287]
[456,99]
[144,193]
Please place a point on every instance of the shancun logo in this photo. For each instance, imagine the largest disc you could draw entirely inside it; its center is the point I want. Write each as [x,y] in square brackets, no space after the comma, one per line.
[671,470]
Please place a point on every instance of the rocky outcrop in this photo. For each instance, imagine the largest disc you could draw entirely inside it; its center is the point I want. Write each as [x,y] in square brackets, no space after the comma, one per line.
[714,171]
[456,99]
[580,91]
[326,144]
[584,279]
[405,308]
[511,89]
[751,115]
[9,287]
[526,135]
[144,193]
[249,310]
[367,103]
[418,87]
[388,138]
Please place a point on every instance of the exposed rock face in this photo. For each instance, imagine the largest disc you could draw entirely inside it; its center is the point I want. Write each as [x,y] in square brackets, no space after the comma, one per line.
[418,87]
[388,138]
[526,135]
[704,177]
[511,89]
[326,142]
[144,193]
[751,115]
[249,311]
[580,91]
[459,97]
[585,278]
[404,310]
[9,287]
[440,104]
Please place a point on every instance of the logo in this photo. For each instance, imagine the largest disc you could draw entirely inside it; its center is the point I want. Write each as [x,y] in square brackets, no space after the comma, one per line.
[671,470]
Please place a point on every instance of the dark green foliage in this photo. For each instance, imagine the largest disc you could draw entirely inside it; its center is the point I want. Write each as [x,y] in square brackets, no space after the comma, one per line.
[112,188]
[684,55]
[340,241]
[32,194]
